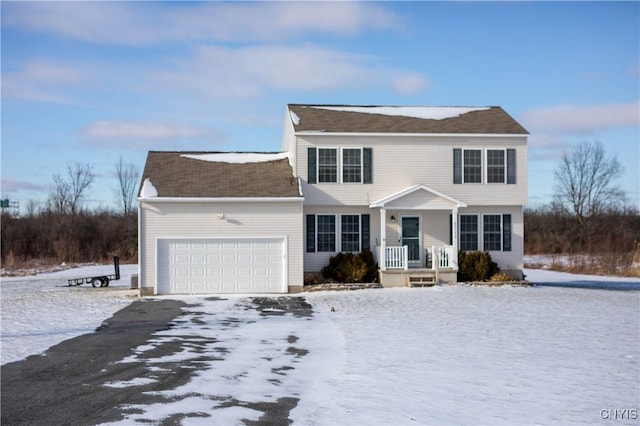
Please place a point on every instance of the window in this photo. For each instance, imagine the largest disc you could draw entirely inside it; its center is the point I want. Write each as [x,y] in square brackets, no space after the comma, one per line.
[327,165]
[350,232]
[496,166]
[468,232]
[500,166]
[496,232]
[352,165]
[492,232]
[326,235]
[472,165]
[322,232]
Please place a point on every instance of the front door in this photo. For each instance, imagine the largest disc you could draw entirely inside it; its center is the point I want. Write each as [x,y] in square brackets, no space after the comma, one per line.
[411,237]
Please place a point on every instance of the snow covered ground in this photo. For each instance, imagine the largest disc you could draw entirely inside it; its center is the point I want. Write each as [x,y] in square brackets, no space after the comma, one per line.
[37,312]
[448,354]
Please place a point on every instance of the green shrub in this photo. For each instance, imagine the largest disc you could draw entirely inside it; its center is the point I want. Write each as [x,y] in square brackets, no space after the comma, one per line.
[372,266]
[476,266]
[346,268]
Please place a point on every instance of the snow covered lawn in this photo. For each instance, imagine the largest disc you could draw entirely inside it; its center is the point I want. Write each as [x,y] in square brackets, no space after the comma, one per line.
[448,354]
[37,312]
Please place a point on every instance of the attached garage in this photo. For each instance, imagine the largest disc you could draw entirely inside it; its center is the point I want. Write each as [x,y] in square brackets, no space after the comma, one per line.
[221,265]
[216,223]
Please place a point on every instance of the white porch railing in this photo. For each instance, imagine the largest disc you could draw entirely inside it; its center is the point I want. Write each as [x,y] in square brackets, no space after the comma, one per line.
[396,257]
[437,257]
[445,257]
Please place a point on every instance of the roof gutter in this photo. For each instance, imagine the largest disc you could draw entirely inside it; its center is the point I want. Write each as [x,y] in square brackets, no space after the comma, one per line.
[220,199]
[412,135]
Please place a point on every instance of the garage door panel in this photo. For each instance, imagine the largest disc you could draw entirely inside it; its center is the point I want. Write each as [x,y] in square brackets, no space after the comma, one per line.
[221,265]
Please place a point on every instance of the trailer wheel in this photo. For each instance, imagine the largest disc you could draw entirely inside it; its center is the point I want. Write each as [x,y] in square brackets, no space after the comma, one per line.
[97,282]
[105,282]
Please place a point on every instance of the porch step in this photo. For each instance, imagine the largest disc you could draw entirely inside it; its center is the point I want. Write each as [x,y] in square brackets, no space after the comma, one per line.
[421,280]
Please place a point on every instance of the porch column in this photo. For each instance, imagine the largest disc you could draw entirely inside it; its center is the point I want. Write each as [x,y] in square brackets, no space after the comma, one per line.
[455,234]
[383,239]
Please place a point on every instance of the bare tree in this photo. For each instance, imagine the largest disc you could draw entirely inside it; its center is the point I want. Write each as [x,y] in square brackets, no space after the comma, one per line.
[66,194]
[127,184]
[586,182]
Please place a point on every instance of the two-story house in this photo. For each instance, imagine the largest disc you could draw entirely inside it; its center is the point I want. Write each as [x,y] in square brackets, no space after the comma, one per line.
[412,184]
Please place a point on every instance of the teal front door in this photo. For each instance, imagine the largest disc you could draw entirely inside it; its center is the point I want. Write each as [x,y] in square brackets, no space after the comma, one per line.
[411,237]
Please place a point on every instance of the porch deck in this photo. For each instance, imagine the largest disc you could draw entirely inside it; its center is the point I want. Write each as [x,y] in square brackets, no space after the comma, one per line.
[441,265]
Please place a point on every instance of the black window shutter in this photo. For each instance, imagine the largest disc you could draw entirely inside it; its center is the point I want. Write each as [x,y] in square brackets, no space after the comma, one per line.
[506,232]
[367,154]
[366,232]
[457,165]
[311,233]
[312,164]
[511,166]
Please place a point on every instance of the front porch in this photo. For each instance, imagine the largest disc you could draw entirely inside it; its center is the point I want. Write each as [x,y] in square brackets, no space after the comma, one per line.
[440,265]
[424,223]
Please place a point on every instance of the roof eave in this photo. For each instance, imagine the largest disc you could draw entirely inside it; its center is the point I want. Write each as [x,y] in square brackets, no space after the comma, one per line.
[220,199]
[413,135]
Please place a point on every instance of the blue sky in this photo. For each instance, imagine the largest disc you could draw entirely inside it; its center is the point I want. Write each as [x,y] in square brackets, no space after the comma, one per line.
[91,82]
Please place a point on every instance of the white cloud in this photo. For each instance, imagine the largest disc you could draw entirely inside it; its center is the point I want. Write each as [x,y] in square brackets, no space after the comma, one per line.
[130,134]
[136,23]
[410,84]
[582,119]
[44,81]
[11,185]
[215,71]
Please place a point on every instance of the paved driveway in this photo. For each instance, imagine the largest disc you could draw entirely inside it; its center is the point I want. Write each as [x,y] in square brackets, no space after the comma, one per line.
[69,384]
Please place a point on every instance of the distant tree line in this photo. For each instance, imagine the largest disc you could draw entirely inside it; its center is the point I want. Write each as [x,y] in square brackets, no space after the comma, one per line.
[87,236]
[62,230]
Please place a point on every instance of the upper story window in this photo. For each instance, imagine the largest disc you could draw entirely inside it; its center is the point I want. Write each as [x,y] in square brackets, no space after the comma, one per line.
[334,165]
[496,166]
[327,165]
[499,166]
[352,165]
[472,165]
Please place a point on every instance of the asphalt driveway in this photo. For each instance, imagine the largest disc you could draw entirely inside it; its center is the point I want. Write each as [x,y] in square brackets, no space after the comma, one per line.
[66,385]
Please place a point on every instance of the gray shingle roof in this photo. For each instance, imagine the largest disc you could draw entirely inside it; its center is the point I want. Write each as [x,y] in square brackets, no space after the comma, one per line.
[314,118]
[173,175]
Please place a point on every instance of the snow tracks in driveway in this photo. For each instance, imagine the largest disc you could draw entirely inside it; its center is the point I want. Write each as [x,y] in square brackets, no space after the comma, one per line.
[165,361]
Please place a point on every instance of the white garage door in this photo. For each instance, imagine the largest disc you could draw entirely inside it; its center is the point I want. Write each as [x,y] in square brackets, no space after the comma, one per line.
[187,266]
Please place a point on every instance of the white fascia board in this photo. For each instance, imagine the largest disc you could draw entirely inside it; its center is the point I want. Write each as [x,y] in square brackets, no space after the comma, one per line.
[221,199]
[411,189]
[414,135]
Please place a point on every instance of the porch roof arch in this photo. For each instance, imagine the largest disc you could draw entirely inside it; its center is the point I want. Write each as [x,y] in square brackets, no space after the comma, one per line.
[418,197]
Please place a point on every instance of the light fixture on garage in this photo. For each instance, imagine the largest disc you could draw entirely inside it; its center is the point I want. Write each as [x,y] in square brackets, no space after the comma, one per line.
[393,219]
[221,216]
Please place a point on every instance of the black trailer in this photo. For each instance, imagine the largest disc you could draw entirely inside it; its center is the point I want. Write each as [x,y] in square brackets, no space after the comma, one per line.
[100,280]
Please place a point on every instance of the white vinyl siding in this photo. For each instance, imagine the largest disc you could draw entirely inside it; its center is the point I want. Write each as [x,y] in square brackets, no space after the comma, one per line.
[400,162]
[201,220]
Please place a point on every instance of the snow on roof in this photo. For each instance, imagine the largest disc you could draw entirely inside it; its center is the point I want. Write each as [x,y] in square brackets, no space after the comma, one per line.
[294,118]
[148,190]
[428,113]
[238,157]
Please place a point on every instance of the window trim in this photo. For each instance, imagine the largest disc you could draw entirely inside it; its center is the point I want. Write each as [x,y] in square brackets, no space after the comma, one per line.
[476,215]
[364,236]
[480,231]
[338,165]
[486,166]
[359,215]
[342,150]
[510,176]
[335,226]
[484,231]
[482,159]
